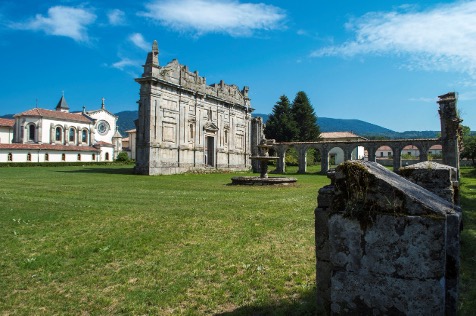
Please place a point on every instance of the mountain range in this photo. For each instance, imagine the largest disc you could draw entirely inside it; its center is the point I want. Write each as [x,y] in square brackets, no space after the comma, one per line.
[363,128]
[126,122]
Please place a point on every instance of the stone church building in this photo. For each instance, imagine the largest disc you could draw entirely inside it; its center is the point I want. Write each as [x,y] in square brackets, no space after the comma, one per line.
[185,124]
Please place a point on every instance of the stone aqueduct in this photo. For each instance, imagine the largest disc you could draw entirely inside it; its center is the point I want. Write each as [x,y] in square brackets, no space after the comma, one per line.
[370,146]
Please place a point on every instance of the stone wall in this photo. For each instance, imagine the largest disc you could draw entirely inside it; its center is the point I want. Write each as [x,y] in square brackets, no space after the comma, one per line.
[437,178]
[385,245]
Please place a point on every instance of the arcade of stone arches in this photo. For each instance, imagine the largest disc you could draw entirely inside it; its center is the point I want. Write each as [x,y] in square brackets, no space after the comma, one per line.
[371,147]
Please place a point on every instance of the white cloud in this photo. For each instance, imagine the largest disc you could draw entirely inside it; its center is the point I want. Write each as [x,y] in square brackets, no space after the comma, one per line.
[208,16]
[61,21]
[124,63]
[442,38]
[467,96]
[140,42]
[127,65]
[423,99]
[116,17]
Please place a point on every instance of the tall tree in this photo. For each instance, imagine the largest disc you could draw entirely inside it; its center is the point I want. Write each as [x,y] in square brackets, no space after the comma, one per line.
[281,125]
[305,118]
[468,149]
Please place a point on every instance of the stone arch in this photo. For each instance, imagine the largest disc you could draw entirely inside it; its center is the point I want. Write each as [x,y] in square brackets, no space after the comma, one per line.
[384,155]
[314,157]
[410,153]
[435,152]
[291,157]
[336,155]
[356,151]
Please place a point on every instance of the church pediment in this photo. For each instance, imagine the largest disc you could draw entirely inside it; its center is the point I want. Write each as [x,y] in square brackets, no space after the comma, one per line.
[210,127]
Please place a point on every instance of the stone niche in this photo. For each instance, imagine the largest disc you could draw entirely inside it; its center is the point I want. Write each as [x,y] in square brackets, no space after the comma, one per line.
[385,245]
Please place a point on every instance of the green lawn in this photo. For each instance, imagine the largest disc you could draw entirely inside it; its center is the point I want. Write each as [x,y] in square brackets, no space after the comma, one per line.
[100,240]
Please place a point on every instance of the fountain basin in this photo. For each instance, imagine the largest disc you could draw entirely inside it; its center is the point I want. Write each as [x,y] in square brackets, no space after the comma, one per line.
[250,180]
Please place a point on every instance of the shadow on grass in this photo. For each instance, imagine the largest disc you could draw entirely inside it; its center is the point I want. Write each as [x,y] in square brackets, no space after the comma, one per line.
[467,302]
[123,171]
[306,304]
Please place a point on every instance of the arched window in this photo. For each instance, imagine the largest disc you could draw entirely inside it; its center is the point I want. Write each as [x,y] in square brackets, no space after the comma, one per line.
[47,157]
[79,157]
[84,136]
[71,134]
[10,157]
[107,156]
[31,132]
[28,157]
[58,134]
[63,157]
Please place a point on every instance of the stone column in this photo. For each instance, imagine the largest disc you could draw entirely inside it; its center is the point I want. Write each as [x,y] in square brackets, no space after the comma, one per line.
[78,135]
[371,153]
[39,134]
[65,134]
[423,153]
[52,134]
[324,160]
[397,158]
[281,162]
[450,129]
[302,159]
[256,137]
[347,153]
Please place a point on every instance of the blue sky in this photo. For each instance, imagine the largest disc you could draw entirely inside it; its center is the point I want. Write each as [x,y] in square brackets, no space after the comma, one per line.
[384,62]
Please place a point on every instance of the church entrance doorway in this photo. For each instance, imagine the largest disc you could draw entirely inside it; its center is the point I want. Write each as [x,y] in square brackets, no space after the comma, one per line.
[210,151]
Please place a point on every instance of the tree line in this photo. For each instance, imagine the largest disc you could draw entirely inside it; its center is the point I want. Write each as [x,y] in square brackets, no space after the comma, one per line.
[292,122]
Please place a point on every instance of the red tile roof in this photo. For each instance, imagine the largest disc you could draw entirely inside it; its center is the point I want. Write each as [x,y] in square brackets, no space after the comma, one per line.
[64,116]
[337,135]
[7,122]
[47,147]
[99,144]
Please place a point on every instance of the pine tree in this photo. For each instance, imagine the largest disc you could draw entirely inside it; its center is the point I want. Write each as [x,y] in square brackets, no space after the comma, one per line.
[305,118]
[281,125]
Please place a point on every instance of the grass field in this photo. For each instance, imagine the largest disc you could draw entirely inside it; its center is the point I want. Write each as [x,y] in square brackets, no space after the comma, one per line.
[96,240]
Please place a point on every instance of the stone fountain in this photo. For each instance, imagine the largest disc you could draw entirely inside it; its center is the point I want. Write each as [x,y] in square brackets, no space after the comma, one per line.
[263,158]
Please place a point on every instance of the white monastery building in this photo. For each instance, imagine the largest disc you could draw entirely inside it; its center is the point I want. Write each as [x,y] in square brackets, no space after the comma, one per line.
[41,135]
[6,130]
[185,124]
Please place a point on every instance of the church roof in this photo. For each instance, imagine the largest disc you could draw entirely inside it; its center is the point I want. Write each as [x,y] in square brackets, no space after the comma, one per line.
[7,122]
[47,147]
[102,109]
[117,134]
[103,144]
[62,104]
[64,116]
[339,135]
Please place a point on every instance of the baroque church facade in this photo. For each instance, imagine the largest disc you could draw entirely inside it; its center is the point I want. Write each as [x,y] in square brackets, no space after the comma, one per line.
[184,124]
[41,135]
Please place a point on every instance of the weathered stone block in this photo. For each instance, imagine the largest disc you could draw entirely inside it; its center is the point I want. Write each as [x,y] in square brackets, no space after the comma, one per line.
[437,178]
[393,245]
